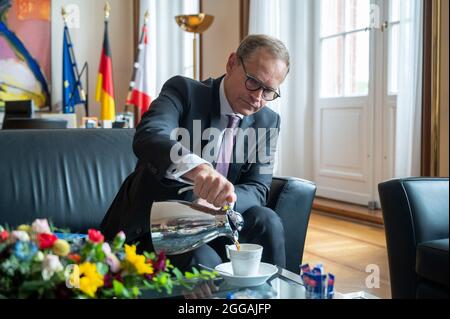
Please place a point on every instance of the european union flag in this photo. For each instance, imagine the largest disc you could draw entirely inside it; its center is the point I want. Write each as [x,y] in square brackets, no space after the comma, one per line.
[72,91]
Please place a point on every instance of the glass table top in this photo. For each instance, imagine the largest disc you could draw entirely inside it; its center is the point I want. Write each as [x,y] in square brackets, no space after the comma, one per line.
[283,285]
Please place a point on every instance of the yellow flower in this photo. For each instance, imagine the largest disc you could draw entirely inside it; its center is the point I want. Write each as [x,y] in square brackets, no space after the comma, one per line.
[138,261]
[61,247]
[24,227]
[90,279]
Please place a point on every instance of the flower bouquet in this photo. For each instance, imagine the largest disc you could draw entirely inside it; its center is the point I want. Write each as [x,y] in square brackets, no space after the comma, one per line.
[36,262]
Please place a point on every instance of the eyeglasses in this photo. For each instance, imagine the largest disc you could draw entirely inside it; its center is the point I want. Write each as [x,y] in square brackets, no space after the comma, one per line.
[253,84]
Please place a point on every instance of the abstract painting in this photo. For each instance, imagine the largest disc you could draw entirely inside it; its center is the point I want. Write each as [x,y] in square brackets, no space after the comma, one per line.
[25,51]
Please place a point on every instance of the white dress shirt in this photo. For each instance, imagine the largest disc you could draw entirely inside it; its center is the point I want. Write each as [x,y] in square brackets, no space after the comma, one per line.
[190,161]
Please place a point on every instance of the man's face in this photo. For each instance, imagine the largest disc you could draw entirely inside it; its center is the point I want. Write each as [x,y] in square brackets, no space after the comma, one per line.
[260,66]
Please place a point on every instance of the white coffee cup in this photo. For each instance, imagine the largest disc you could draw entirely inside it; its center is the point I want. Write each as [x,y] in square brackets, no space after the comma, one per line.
[245,262]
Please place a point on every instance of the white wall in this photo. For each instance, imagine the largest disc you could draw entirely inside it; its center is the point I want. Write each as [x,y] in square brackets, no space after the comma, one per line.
[88,40]
[222,38]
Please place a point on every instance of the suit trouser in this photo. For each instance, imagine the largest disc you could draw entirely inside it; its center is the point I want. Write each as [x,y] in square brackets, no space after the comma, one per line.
[130,212]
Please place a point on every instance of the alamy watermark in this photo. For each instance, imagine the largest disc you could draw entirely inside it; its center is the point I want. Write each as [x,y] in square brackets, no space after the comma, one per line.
[251,145]
[72,275]
[373,280]
[375,17]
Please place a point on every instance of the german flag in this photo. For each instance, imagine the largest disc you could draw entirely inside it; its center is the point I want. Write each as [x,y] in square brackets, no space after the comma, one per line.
[105,84]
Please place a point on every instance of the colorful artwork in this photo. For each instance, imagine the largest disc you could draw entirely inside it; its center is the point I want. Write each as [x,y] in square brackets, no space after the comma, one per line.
[25,51]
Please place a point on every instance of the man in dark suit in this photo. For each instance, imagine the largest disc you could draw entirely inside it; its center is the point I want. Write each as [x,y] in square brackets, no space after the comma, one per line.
[253,76]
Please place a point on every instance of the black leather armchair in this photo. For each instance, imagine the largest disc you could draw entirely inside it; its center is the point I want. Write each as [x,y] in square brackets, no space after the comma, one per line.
[416,213]
[71,177]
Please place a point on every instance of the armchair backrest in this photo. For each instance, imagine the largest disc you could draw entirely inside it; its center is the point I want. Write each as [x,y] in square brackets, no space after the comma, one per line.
[415,210]
[292,198]
[33,123]
[69,176]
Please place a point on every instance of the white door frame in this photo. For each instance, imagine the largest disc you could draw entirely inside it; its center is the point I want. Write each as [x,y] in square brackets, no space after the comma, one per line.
[376,112]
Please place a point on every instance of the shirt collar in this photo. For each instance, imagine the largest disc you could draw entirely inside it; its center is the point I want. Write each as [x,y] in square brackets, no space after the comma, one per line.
[225,107]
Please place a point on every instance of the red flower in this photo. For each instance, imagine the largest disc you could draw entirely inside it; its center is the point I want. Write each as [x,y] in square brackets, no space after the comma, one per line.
[4,235]
[95,236]
[149,277]
[75,258]
[46,240]
[160,264]
[108,279]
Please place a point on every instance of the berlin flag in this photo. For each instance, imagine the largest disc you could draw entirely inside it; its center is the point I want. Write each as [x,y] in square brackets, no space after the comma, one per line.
[139,92]
[105,84]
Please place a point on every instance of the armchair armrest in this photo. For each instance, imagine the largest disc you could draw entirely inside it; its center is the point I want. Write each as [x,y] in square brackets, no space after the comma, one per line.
[291,198]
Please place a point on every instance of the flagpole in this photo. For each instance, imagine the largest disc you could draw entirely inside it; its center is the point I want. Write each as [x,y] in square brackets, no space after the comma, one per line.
[107,10]
[86,95]
[136,110]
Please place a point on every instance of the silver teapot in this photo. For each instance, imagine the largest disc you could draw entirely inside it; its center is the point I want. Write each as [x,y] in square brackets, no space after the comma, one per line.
[180,226]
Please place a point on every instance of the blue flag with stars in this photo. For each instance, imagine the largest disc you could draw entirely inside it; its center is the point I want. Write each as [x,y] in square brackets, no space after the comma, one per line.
[72,92]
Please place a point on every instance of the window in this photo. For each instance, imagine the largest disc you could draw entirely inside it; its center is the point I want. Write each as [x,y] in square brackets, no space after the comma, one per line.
[344,42]
[393,49]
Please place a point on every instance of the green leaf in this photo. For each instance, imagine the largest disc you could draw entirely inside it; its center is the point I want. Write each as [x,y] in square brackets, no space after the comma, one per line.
[136,292]
[189,275]
[102,268]
[107,293]
[3,246]
[148,255]
[208,274]
[36,287]
[55,229]
[126,293]
[178,274]
[118,288]
[99,253]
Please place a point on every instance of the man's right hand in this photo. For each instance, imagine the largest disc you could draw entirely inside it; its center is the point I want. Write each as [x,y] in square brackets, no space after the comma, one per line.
[211,185]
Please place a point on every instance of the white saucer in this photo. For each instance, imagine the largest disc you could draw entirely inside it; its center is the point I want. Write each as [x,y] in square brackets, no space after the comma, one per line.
[265,272]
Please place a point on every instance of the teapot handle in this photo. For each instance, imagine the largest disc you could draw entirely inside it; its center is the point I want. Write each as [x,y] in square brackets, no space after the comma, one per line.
[185,189]
[227,250]
[235,217]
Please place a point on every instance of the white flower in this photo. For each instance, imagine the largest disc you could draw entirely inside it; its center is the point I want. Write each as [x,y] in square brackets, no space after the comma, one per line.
[121,235]
[113,262]
[20,235]
[39,256]
[106,248]
[40,226]
[50,265]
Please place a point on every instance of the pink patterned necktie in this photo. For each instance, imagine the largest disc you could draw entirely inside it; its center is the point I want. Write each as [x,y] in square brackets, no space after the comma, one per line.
[226,149]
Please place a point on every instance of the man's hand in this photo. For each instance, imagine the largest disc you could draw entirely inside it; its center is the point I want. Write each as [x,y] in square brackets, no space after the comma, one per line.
[211,185]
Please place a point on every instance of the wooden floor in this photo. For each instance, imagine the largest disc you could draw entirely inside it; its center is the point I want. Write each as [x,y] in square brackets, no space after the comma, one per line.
[346,248]
[353,211]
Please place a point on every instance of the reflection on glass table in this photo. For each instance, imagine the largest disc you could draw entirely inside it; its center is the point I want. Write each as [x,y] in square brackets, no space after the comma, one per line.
[283,285]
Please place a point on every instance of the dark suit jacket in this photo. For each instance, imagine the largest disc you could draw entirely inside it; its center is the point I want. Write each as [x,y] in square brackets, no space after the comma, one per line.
[181,101]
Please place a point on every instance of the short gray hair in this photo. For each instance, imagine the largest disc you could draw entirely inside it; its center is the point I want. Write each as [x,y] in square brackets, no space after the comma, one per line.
[251,43]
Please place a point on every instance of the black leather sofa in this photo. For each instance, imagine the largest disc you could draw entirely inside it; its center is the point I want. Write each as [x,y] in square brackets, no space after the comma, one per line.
[71,177]
[416,213]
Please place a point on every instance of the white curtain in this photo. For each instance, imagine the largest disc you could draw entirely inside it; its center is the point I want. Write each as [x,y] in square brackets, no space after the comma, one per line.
[171,47]
[291,21]
[409,99]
